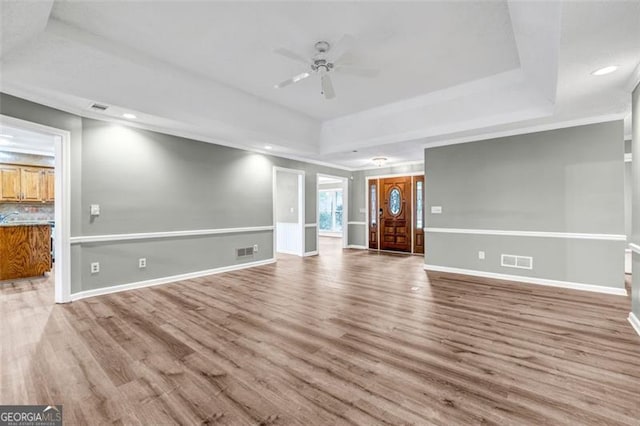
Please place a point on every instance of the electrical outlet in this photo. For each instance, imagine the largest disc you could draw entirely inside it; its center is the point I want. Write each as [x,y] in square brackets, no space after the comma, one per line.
[255,248]
[95,267]
[142,263]
[481,255]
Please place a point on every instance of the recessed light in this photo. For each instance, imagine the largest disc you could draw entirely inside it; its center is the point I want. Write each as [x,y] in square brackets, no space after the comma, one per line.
[605,70]
[129,115]
[268,147]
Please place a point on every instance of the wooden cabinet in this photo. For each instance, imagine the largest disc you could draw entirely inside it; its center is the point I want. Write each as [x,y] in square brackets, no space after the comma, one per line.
[25,251]
[48,187]
[26,184]
[31,184]
[9,183]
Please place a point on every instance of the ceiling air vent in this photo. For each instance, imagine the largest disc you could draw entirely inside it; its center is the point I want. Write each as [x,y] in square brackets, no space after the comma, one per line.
[99,107]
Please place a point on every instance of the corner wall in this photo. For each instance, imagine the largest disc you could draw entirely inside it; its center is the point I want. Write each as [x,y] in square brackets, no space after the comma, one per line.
[556,196]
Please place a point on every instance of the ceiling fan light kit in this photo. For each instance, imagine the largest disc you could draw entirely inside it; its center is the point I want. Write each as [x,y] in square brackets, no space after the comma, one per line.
[321,65]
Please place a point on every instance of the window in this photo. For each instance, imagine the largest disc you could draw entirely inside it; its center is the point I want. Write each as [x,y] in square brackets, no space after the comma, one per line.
[374,205]
[419,213]
[330,210]
[394,201]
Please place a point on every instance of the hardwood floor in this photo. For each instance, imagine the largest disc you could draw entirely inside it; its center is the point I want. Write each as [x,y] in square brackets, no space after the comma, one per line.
[349,337]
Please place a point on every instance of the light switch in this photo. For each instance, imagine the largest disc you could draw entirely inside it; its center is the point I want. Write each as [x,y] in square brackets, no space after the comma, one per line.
[291,209]
[436,209]
[95,209]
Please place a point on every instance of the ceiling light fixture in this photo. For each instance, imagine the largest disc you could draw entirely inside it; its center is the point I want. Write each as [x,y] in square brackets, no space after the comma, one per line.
[268,147]
[605,70]
[379,161]
[129,116]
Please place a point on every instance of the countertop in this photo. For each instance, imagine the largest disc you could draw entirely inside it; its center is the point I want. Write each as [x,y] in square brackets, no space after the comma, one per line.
[26,223]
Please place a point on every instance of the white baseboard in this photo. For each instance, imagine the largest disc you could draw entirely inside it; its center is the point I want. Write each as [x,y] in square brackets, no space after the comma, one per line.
[167,280]
[311,253]
[355,246]
[635,322]
[529,280]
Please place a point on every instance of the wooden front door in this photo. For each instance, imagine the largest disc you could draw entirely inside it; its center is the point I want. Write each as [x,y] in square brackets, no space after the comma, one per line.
[395,219]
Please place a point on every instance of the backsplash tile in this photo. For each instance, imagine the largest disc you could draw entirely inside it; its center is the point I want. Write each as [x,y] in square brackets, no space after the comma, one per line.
[28,212]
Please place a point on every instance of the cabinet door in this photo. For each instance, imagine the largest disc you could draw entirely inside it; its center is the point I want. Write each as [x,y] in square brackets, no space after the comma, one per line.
[31,183]
[9,183]
[48,186]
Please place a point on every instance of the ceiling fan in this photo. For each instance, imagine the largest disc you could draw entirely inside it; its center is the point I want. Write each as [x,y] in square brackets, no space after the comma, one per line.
[323,63]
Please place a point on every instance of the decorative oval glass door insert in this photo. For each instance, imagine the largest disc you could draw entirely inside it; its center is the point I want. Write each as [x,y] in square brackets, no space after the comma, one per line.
[394,201]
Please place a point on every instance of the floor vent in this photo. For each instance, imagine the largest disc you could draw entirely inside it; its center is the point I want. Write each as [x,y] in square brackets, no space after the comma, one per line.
[244,252]
[514,261]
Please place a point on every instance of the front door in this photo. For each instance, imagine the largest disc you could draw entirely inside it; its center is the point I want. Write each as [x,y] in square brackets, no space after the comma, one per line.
[396,212]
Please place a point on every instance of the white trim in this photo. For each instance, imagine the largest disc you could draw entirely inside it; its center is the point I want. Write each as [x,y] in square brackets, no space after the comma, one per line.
[526,130]
[28,151]
[628,157]
[310,225]
[634,248]
[62,275]
[635,322]
[356,223]
[357,247]
[169,234]
[391,165]
[421,173]
[544,234]
[167,280]
[528,280]
[311,253]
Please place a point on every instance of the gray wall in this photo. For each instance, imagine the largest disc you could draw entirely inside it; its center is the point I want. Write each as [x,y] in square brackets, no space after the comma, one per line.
[286,197]
[635,135]
[566,180]
[151,182]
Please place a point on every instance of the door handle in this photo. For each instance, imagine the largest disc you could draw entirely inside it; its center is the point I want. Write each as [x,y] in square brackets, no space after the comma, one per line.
[380,211]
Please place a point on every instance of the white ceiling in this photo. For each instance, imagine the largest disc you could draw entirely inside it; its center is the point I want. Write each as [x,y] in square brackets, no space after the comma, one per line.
[14,139]
[450,71]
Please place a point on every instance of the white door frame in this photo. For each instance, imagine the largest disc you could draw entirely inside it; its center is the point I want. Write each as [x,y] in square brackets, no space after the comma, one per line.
[345,208]
[301,203]
[62,279]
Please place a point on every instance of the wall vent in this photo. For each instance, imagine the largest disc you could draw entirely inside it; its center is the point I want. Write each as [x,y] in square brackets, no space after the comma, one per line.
[514,261]
[244,252]
[99,107]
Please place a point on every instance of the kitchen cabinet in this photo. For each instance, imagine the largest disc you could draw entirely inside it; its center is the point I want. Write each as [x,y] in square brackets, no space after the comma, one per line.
[48,187]
[25,250]
[28,184]
[9,183]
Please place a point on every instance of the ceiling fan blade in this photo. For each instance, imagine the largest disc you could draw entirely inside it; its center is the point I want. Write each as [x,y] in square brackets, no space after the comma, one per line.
[292,80]
[342,48]
[292,55]
[327,86]
[359,71]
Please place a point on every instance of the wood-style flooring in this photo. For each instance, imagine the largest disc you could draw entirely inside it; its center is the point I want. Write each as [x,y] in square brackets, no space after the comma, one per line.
[347,337]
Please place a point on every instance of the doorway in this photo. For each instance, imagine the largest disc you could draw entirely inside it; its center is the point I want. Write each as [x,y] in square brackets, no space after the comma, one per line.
[395,213]
[288,211]
[332,212]
[44,188]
